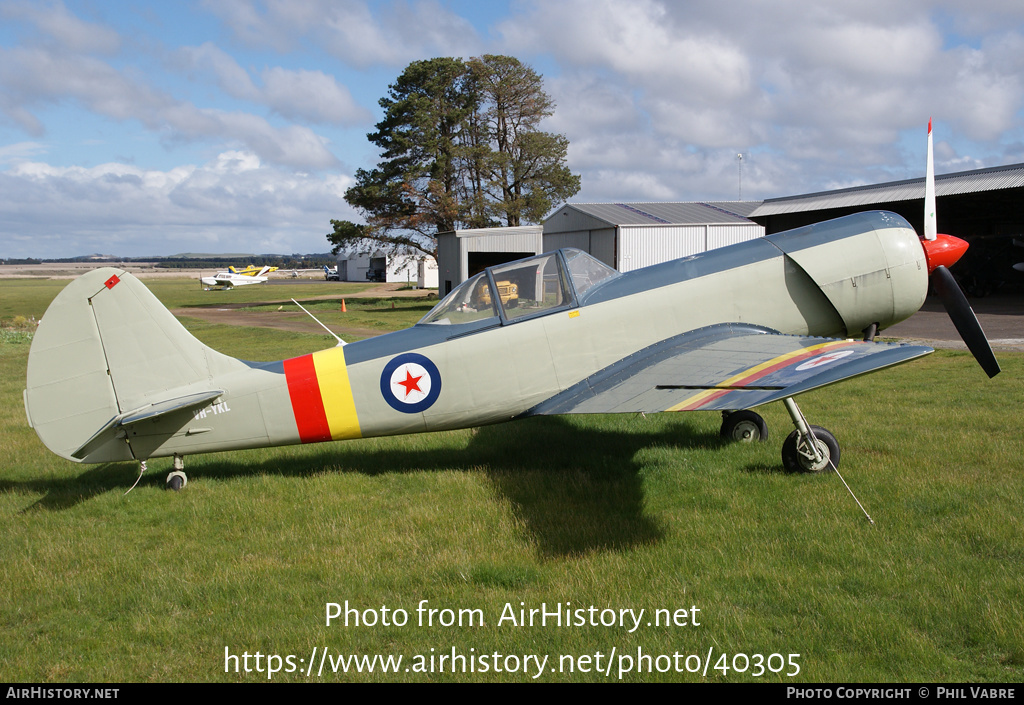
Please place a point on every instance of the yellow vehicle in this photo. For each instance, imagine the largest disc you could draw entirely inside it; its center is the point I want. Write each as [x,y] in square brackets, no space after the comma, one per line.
[507,291]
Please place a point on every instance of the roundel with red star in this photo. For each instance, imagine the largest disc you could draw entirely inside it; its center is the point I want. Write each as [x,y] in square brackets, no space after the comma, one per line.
[824,359]
[410,383]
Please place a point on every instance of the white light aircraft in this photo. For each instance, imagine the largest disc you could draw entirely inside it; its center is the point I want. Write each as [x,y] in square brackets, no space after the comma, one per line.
[231,279]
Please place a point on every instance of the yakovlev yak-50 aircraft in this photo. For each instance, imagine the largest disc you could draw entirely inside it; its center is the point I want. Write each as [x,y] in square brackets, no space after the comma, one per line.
[113,376]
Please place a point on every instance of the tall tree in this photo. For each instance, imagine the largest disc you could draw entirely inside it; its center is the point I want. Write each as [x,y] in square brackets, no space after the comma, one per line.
[413,190]
[526,172]
[460,147]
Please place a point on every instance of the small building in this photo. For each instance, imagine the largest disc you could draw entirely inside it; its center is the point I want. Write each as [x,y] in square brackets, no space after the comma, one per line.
[412,267]
[629,236]
[463,253]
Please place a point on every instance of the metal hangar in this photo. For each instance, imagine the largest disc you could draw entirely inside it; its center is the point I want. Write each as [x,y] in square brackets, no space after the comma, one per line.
[629,236]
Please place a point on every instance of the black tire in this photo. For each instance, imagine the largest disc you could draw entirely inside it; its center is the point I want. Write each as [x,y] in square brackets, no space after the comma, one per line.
[744,427]
[176,480]
[795,461]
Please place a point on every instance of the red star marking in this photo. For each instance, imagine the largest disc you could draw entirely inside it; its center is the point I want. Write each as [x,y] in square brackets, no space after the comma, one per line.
[411,383]
[825,359]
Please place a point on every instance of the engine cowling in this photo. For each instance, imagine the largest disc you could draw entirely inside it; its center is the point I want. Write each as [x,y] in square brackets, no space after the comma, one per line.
[870,266]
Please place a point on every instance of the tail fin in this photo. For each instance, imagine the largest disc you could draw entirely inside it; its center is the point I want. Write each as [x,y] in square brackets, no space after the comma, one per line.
[106,353]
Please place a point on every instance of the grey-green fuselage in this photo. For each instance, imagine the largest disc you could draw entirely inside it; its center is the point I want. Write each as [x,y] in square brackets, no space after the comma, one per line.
[830,279]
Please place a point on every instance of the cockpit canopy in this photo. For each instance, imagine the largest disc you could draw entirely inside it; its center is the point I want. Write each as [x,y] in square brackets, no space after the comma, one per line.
[521,289]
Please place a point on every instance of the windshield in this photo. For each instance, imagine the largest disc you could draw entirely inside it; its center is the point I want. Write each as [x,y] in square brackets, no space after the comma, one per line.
[470,301]
[585,270]
[531,286]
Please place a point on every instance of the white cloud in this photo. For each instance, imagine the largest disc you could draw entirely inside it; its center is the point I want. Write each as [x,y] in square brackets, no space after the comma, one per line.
[271,24]
[392,33]
[64,28]
[310,96]
[208,58]
[820,91]
[20,151]
[638,42]
[292,145]
[656,98]
[233,203]
[39,77]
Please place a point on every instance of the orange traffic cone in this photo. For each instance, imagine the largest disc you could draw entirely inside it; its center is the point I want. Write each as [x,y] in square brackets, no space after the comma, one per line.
[343,309]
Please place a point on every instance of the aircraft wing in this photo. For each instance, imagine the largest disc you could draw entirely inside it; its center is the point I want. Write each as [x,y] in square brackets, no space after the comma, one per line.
[724,367]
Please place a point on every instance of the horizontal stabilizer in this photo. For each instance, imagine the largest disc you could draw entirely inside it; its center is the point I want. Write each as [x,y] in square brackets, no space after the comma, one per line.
[188,401]
[150,411]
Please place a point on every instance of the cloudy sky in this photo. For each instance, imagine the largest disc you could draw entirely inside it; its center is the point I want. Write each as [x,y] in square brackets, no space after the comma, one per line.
[152,128]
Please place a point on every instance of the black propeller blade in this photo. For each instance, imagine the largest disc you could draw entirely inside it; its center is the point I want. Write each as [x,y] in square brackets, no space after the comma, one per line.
[966,322]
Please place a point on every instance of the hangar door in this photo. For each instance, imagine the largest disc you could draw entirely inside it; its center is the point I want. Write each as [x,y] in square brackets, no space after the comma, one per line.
[479,261]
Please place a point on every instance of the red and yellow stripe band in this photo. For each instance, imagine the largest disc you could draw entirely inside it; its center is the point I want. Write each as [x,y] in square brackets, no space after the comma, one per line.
[321,396]
[751,375]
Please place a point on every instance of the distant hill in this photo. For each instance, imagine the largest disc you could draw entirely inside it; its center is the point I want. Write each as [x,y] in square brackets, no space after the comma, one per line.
[293,261]
[192,260]
[204,255]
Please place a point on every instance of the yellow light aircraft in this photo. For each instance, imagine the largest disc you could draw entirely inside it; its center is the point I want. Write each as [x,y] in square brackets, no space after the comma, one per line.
[251,270]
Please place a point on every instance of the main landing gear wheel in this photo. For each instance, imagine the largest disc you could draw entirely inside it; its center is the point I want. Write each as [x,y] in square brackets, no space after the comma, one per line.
[744,427]
[797,455]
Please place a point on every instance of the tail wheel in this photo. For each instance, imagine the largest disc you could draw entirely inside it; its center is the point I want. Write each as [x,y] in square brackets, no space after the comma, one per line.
[797,455]
[744,427]
[176,480]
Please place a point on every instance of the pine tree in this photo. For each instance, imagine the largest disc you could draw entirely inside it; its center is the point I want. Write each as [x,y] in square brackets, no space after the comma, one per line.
[460,148]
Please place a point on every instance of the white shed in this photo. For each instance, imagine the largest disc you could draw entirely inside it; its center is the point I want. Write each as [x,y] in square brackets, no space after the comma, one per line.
[412,267]
[629,236]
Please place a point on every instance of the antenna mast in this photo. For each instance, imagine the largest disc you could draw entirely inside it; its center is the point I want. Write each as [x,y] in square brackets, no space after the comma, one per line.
[739,169]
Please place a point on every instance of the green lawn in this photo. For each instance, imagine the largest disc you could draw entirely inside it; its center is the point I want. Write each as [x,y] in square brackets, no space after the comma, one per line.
[614,512]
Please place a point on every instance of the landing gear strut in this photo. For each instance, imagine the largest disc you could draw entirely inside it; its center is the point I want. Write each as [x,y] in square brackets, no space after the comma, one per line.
[808,448]
[812,449]
[744,426]
[176,480]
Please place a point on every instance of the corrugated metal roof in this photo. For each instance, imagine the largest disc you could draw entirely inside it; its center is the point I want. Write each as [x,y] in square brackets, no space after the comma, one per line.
[667,213]
[740,208]
[527,230]
[994,179]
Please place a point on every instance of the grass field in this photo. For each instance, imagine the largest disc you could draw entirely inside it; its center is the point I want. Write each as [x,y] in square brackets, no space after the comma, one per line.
[614,512]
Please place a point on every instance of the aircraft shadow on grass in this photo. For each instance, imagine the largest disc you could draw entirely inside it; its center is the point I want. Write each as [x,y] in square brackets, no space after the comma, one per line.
[575,489]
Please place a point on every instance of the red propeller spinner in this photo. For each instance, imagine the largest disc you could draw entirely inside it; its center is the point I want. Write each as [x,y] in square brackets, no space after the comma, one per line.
[944,250]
